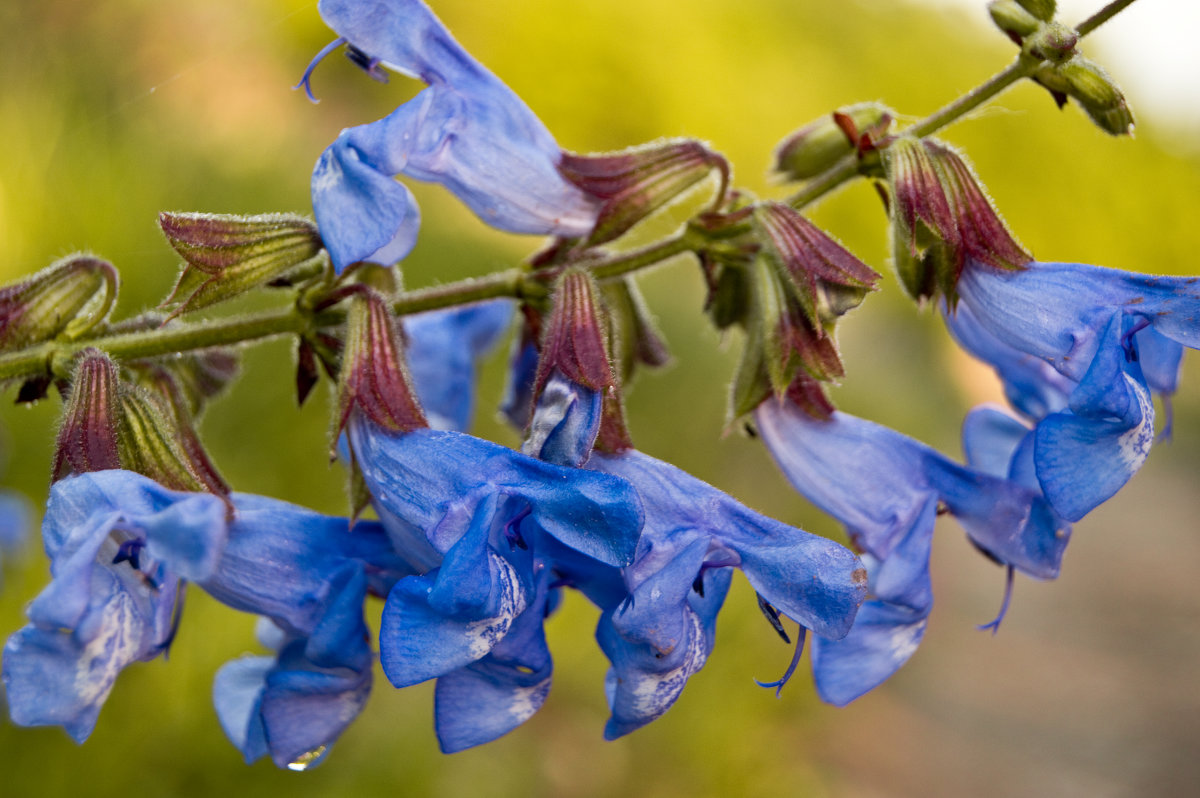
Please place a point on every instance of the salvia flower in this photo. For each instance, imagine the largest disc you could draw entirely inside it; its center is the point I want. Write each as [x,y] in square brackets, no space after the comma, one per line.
[466,507]
[661,633]
[120,548]
[466,131]
[1112,337]
[887,490]
[308,575]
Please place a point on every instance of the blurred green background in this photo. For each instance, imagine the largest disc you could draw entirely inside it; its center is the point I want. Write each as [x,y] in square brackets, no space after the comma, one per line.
[111,112]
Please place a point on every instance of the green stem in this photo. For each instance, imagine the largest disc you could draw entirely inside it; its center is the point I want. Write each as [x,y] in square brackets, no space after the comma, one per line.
[55,357]
[847,168]
[1102,16]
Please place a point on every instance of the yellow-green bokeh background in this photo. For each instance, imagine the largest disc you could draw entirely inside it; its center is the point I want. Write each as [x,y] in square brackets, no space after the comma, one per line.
[110,112]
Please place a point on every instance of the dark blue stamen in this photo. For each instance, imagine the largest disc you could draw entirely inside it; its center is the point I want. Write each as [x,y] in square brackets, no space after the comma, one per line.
[1131,354]
[306,79]
[366,63]
[130,551]
[791,668]
[1008,591]
[698,584]
[772,616]
[512,532]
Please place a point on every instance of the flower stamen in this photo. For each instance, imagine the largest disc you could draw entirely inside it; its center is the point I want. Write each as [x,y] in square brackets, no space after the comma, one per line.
[306,78]
[791,668]
[994,625]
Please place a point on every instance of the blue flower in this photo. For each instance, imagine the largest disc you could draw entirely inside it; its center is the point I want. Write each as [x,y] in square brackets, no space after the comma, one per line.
[309,574]
[479,516]
[467,131]
[443,348]
[120,547]
[1112,337]
[663,630]
[887,489]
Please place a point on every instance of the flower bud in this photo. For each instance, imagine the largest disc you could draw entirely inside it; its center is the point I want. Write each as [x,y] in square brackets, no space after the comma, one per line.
[1011,17]
[374,379]
[1042,9]
[575,345]
[67,299]
[226,256]
[822,143]
[941,217]
[1089,85]
[1052,42]
[635,183]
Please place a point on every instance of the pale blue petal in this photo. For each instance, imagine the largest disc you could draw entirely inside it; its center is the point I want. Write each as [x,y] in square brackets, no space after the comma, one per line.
[443,349]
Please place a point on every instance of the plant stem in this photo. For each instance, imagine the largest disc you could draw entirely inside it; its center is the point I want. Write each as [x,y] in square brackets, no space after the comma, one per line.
[1102,16]
[1024,66]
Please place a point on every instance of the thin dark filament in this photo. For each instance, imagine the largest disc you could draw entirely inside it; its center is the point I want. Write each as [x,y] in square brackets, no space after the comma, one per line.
[994,625]
[791,668]
[306,78]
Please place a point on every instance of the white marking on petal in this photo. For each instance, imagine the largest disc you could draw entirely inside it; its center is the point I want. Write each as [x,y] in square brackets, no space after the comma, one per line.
[104,656]
[483,635]
[904,641]
[653,694]
[526,701]
[1134,445]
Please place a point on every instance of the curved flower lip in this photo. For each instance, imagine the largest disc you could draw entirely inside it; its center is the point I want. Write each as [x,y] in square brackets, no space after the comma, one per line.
[467,131]
[876,481]
[430,482]
[497,693]
[1114,337]
[120,547]
[659,637]
[816,582]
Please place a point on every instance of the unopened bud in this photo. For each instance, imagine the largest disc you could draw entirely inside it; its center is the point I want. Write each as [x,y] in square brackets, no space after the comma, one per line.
[65,299]
[1011,17]
[635,183]
[1042,9]
[374,379]
[575,346]
[822,143]
[635,337]
[1097,94]
[226,255]
[1052,42]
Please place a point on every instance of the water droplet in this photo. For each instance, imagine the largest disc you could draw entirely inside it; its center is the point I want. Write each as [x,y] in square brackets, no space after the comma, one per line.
[305,761]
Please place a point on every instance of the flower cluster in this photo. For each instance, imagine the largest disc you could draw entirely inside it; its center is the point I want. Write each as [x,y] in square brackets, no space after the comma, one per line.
[474,542]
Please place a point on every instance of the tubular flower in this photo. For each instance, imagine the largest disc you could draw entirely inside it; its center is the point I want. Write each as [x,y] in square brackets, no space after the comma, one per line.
[1112,338]
[887,489]
[308,575]
[466,131]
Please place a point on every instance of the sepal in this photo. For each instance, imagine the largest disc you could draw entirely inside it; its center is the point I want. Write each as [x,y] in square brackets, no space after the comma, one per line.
[941,217]
[68,298]
[373,377]
[633,184]
[227,255]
